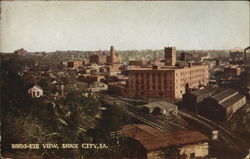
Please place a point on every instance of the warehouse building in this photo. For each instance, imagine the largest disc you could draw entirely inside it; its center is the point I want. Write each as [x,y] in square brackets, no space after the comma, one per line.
[192,99]
[146,142]
[166,82]
[222,106]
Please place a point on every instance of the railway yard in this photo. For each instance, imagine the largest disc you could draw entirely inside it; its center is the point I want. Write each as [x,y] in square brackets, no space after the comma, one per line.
[232,145]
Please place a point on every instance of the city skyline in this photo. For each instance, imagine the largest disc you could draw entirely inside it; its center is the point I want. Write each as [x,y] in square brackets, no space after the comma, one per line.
[60,25]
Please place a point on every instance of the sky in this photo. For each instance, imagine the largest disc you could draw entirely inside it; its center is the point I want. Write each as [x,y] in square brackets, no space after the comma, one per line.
[128,25]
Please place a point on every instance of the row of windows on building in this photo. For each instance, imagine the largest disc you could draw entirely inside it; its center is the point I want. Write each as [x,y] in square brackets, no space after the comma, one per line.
[169,74]
[198,71]
[160,86]
[153,75]
[147,82]
[153,86]
[166,81]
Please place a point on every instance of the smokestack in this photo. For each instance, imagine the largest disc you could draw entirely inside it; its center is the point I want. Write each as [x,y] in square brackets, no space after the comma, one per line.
[245,55]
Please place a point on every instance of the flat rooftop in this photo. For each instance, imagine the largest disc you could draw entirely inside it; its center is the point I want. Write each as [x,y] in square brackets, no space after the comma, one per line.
[160,104]
[163,67]
[205,91]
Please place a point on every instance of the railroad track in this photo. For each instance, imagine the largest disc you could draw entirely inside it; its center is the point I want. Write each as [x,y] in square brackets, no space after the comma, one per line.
[154,121]
[234,141]
[140,118]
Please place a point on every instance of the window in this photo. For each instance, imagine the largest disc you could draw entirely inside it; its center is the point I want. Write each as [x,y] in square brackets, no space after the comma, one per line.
[38,93]
[159,86]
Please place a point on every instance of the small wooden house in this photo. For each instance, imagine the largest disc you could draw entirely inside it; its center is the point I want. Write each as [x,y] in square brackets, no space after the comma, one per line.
[36,91]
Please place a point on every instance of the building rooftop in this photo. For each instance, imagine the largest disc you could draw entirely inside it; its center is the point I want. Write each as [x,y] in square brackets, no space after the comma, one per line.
[160,104]
[153,139]
[224,95]
[201,92]
[37,86]
[232,100]
[160,68]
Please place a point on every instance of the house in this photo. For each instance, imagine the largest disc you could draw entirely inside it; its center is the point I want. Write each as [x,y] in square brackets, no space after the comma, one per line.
[150,143]
[98,86]
[35,91]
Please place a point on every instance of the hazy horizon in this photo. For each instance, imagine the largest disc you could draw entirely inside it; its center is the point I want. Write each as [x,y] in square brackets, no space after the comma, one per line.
[128,25]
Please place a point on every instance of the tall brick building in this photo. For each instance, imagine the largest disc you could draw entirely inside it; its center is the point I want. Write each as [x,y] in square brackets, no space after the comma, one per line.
[99,58]
[102,58]
[170,56]
[113,58]
[166,82]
